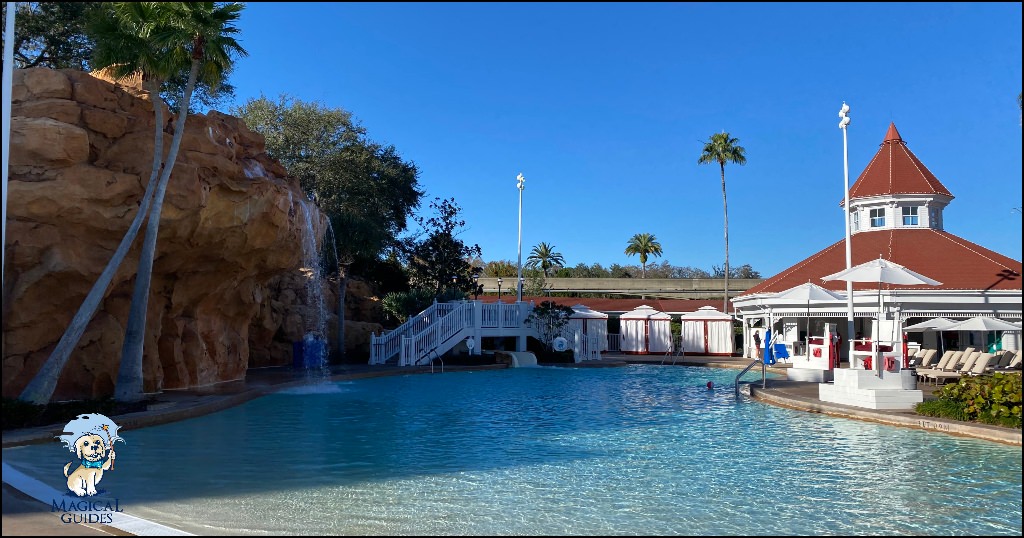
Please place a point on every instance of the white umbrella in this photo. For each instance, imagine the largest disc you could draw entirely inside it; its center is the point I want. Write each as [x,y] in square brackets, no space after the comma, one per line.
[805,293]
[982,323]
[934,324]
[881,271]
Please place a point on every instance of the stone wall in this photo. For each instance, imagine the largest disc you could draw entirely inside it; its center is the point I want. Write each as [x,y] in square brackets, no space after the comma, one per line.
[227,280]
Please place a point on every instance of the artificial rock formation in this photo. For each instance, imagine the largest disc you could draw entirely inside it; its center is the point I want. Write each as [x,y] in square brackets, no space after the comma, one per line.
[227,281]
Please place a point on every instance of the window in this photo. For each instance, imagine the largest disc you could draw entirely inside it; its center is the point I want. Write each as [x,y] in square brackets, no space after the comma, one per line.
[933,218]
[877,218]
[910,216]
[856,221]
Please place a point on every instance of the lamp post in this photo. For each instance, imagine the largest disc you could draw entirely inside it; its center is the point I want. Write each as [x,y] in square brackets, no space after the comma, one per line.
[519,268]
[843,123]
[476,286]
[499,289]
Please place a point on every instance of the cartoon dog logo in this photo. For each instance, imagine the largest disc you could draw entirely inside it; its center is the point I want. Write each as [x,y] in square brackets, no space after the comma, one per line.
[91,437]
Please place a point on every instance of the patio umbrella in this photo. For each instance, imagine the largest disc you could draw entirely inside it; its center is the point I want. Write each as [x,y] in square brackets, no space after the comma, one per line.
[934,324]
[983,324]
[881,272]
[806,293]
[938,324]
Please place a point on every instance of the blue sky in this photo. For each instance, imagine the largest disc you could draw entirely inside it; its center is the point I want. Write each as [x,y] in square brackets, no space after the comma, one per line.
[604,108]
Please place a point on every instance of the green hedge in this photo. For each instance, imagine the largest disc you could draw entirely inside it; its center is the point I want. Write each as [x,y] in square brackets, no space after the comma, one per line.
[991,399]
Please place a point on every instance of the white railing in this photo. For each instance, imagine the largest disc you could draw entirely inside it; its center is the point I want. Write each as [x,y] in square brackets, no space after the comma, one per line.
[388,345]
[503,315]
[613,342]
[438,334]
[436,327]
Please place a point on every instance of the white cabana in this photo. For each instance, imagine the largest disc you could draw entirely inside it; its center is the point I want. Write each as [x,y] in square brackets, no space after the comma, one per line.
[707,332]
[645,330]
[589,330]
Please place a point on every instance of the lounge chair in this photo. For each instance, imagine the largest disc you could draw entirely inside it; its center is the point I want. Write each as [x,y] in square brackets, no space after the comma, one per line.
[926,359]
[1005,357]
[1013,366]
[961,370]
[948,362]
[982,366]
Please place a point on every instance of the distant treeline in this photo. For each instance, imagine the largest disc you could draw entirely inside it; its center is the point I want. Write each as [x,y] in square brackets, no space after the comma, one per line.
[505,269]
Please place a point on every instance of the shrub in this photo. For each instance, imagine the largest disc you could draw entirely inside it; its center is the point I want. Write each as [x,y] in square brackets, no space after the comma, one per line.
[991,399]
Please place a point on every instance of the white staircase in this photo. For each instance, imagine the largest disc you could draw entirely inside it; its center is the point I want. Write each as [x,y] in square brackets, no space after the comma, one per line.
[442,326]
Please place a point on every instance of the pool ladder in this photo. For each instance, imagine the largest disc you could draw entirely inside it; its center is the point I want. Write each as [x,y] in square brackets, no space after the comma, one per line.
[435,356]
[676,350]
[745,370]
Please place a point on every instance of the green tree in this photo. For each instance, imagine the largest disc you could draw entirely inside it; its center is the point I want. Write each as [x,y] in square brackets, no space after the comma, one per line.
[549,318]
[442,257]
[399,305]
[52,34]
[544,256]
[644,245]
[201,34]
[500,268]
[139,38]
[723,149]
[367,190]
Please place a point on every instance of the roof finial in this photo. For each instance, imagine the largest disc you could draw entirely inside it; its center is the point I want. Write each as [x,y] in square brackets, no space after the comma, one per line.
[892,135]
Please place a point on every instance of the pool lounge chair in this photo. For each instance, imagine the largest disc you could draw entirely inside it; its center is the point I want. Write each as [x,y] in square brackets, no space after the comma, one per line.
[946,363]
[1013,366]
[961,371]
[924,358]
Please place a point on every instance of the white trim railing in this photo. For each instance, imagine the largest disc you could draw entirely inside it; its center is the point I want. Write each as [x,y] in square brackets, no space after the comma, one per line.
[436,327]
[436,335]
[388,345]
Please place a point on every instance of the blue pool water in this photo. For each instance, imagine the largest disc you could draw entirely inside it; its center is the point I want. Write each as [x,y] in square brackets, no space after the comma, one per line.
[638,450]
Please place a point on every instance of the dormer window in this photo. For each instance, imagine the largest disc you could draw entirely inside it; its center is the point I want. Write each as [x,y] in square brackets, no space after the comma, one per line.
[878,218]
[910,216]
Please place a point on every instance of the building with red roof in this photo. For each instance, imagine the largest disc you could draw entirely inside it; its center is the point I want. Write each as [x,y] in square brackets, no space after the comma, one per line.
[896,208]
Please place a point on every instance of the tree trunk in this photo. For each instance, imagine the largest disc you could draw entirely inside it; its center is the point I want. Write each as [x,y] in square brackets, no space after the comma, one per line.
[40,389]
[725,209]
[342,289]
[129,375]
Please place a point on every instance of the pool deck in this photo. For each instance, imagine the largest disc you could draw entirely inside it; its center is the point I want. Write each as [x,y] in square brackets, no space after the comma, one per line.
[24,515]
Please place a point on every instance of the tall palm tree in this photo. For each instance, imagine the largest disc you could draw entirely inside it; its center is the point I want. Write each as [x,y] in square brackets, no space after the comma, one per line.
[645,245]
[202,33]
[544,256]
[722,148]
[126,49]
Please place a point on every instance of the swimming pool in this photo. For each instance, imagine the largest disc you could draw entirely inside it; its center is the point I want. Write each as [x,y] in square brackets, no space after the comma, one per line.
[638,450]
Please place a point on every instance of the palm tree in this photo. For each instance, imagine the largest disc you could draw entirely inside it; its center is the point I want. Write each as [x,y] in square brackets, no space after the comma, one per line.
[125,53]
[645,245]
[544,256]
[721,148]
[202,33]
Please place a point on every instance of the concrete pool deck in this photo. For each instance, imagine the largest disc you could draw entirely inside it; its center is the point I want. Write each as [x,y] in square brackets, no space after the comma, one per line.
[26,514]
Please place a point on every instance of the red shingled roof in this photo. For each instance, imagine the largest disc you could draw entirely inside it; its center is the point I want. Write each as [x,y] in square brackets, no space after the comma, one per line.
[895,170]
[620,305]
[957,263]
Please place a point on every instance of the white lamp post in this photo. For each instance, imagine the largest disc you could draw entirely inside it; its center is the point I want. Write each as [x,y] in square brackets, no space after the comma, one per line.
[843,123]
[8,82]
[519,270]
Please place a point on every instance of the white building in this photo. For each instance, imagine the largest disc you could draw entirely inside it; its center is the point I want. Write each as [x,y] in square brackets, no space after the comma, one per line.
[896,210]
[645,330]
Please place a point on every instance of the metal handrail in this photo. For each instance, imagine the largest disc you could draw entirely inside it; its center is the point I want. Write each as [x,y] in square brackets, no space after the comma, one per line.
[745,370]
